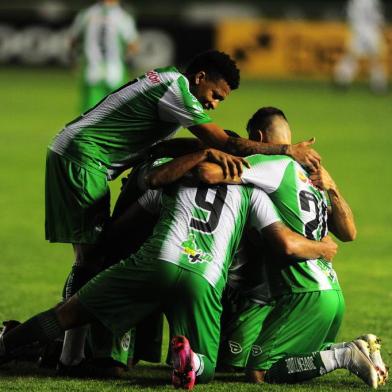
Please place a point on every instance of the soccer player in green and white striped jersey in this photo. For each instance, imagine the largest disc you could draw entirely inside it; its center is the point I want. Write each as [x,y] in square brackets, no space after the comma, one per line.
[106,34]
[115,135]
[296,338]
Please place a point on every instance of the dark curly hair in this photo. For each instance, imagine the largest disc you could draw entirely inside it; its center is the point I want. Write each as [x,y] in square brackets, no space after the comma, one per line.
[217,65]
[262,119]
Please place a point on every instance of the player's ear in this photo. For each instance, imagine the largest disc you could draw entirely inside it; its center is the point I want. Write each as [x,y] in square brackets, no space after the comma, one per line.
[200,76]
[260,136]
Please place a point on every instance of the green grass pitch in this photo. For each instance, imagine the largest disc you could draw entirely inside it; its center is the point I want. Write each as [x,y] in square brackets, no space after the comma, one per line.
[354,136]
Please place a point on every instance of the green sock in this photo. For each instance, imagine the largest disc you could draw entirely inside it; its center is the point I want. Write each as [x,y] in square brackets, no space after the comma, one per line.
[42,328]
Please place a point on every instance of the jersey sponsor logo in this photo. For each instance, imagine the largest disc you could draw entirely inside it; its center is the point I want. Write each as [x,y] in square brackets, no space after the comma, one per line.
[235,347]
[126,341]
[300,364]
[256,350]
[153,77]
[304,178]
[195,255]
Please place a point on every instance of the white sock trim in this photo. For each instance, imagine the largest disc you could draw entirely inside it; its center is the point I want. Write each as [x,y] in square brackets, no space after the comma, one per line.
[198,363]
[329,360]
[73,346]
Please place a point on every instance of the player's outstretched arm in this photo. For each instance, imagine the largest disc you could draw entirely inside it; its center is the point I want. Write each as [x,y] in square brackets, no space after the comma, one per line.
[341,219]
[214,136]
[293,245]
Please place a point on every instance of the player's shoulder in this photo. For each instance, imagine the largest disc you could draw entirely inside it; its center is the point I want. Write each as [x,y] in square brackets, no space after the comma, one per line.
[262,158]
[92,10]
[169,71]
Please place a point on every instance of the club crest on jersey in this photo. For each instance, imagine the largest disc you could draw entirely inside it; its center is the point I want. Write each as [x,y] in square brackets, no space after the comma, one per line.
[235,347]
[195,255]
[153,76]
[256,350]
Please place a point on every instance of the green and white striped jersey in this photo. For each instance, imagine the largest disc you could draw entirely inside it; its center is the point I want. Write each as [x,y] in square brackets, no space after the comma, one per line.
[105,30]
[119,130]
[303,208]
[200,227]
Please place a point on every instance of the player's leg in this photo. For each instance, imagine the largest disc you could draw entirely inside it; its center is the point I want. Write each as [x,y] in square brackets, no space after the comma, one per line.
[109,354]
[346,70]
[194,312]
[77,208]
[91,94]
[148,339]
[240,332]
[86,266]
[291,342]
[330,339]
[298,323]
[347,67]
[372,347]
[126,293]
[43,328]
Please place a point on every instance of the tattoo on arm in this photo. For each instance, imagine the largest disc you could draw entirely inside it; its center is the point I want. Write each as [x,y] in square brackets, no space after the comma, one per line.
[244,147]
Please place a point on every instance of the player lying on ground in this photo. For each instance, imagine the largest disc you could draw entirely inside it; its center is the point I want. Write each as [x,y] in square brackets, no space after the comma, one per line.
[292,338]
[179,270]
[115,135]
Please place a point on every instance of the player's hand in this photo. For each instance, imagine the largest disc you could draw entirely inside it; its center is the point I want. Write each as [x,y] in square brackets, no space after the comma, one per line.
[330,248]
[322,179]
[230,164]
[304,154]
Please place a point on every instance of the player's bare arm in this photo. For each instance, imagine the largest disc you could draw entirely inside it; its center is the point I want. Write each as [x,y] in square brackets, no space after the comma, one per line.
[211,174]
[172,171]
[293,245]
[341,219]
[215,136]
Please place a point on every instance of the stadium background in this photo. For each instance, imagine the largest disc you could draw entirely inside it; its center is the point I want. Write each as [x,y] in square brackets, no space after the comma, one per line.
[286,53]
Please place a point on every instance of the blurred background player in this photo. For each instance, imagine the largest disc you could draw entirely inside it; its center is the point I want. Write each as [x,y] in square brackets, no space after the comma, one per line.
[366,23]
[106,34]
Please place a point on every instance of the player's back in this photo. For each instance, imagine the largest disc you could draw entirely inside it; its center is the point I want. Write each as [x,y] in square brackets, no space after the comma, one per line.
[303,208]
[199,228]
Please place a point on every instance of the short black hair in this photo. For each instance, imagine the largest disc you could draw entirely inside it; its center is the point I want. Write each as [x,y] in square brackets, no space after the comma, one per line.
[262,119]
[217,65]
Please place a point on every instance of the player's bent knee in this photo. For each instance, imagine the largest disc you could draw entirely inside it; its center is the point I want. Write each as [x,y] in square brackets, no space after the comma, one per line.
[72,314]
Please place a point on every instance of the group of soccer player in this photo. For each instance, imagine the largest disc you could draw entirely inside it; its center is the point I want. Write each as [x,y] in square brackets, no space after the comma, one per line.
[226,236]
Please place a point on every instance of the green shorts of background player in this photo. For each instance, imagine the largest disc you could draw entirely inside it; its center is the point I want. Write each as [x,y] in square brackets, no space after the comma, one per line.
[125,294]
[93,93]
